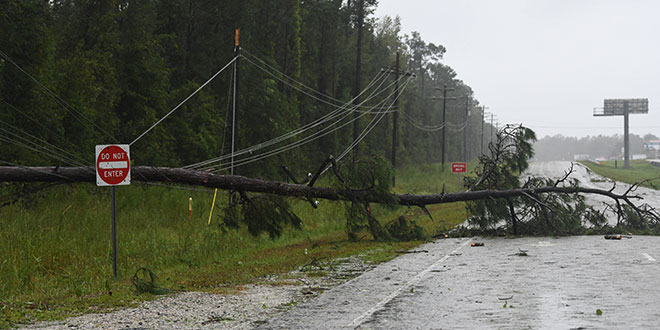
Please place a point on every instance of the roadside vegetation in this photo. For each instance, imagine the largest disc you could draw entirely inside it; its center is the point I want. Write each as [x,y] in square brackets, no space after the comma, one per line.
[639,171]
[56,244]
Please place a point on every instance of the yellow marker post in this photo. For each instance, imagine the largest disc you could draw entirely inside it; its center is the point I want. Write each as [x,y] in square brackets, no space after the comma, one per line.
[212,205]
[190,208]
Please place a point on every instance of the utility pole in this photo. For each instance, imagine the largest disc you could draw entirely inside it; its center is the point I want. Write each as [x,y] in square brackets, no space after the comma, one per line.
[395,123]
[626,138]
[423,73]
[483,120]
[491,127]
[396,70]
[444,120]
[465,129]
[358,69]
[234,128]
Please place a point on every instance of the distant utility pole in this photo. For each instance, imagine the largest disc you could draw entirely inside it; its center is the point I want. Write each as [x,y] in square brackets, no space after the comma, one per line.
[491,127]
[623,107]
[358,69]
[444,120]
[422,73]
[465,129]
[483,120]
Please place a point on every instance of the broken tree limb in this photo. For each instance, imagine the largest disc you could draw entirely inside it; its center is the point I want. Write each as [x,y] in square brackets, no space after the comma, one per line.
[240,183]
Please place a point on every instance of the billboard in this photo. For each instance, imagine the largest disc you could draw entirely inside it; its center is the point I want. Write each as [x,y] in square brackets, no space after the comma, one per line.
[616,107]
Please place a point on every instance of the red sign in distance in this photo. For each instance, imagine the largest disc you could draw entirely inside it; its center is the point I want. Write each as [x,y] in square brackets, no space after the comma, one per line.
[458,167]
[113,165]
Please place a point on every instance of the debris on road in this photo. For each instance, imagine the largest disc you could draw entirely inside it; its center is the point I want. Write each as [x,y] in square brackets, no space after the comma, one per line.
[505,298]
[477,244]
[441,235]
[413,251]
[617,236]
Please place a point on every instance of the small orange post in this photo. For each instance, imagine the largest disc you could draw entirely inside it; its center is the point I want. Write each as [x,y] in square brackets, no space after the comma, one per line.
[237,36]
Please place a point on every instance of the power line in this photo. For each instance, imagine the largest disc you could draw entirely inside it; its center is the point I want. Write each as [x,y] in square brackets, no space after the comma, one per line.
[307,139]
[61,102]
[314,136]
[374,120]
[36,122]
[184,101]
[326,118]
[73,159]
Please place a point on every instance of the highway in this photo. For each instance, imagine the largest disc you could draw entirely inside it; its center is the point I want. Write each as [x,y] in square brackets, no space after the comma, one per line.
[583,282]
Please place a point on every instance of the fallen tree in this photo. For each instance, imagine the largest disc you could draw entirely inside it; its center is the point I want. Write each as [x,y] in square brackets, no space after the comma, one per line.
[240,183]
[496,198]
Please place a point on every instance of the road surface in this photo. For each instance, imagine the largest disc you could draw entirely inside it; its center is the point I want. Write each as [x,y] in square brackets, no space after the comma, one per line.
[583,282]
[589,179]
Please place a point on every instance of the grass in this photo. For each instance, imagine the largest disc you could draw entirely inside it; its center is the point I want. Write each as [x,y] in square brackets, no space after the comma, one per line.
[639,170]
[56,249]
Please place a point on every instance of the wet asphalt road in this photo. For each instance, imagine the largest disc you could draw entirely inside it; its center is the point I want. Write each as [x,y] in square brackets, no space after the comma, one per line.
[556,170]
[559,284]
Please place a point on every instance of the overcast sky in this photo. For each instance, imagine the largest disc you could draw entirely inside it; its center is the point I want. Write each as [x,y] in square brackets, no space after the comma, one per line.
[547,63]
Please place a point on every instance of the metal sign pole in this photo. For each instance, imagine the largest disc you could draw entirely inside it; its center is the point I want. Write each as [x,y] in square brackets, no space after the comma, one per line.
[113,168]
[459,181]
[114,233]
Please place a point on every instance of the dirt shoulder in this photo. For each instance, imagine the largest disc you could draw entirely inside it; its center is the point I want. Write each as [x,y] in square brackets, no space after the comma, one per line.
[250,307]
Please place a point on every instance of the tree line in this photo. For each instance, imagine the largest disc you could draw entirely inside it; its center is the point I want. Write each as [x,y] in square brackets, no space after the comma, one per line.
[76,73]
[559,147]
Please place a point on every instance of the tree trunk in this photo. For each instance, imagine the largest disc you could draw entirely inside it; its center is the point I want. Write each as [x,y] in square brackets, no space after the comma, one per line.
[514,220]
[240,183]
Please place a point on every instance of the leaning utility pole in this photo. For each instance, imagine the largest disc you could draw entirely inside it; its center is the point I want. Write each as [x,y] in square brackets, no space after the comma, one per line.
[358,69]
[444,120]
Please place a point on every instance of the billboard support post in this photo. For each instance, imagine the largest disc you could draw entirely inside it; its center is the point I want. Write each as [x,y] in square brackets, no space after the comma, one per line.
[623,107]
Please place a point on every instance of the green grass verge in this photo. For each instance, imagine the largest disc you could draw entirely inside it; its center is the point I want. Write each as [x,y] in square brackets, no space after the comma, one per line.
[56,251]
[639,171]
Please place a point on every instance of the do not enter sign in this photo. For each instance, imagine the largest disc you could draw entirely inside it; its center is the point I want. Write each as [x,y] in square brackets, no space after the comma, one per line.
[113,165]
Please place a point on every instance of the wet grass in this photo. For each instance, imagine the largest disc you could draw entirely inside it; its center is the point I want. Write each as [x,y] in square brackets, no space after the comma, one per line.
[56,249]
[639,171]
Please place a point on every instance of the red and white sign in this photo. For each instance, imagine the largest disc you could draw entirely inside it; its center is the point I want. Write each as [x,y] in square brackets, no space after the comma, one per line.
[113,165]
[458,167]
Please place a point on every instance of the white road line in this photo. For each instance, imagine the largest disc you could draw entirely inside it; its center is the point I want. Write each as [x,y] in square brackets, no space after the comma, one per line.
[401,288]
[648,256]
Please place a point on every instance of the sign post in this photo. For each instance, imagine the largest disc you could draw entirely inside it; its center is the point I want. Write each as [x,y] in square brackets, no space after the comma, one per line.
[623,107]
[113,168]
[459,168]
